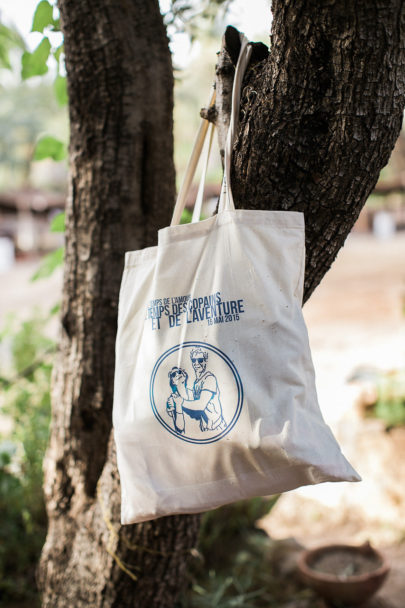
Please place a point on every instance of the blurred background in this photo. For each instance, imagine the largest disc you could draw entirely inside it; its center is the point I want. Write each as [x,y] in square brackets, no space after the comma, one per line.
[356,318]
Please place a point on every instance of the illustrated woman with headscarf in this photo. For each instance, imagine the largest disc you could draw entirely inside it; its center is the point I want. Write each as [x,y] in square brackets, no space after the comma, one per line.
[203,400]
[173,407]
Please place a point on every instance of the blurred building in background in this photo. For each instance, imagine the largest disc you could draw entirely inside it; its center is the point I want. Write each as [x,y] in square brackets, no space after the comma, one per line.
[25,216]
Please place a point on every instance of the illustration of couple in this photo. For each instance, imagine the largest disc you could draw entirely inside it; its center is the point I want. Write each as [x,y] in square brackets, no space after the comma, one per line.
[202,402]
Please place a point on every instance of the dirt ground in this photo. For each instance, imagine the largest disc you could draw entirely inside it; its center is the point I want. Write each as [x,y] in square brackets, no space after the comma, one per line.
[356,326]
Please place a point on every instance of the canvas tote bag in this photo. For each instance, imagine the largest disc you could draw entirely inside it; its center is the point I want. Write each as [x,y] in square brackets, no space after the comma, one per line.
[215,395]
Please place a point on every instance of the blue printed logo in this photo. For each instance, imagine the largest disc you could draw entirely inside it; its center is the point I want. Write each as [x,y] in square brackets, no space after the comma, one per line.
[196,392]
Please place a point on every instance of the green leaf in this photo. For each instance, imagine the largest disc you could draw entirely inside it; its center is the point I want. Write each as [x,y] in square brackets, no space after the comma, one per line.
[55,309]
[60,89]
[58,222]
[57,53]
[43,17]
[34,64]
[56,25]
[50,147]
[186,216]
[49,263]
[4,58]
[11,37]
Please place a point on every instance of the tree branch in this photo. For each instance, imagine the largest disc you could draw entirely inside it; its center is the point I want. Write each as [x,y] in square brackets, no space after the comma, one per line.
[224,74]
[327,111]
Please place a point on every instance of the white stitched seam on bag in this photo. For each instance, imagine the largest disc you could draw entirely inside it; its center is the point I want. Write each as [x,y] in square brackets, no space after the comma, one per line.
[166,242]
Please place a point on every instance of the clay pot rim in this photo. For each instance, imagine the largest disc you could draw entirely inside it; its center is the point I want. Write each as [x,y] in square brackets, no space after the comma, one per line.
[334,578]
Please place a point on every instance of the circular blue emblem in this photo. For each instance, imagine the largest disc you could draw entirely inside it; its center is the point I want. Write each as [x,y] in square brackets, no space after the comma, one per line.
[196,392]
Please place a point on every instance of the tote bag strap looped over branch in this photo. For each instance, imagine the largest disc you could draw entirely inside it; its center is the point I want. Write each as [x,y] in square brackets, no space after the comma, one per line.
[200,194]
[226,200]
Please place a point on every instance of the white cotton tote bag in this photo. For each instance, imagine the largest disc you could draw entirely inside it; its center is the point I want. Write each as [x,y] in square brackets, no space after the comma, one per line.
[215,395]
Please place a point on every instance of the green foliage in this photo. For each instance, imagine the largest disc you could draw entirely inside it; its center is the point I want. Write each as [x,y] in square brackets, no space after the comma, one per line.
[49,263]
[58,222]
[9,39]
[393,413]
[228,525]
[50,147]
[35,63]
[390,405]
[43,18]
[26,401]
[60,89]
[186,216]
[58,52]
[26,113]
[190,17]
[235,565]
[238,565]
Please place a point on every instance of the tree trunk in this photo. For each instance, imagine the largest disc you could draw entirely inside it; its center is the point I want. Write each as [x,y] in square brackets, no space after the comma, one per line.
[122,190]
[320,116]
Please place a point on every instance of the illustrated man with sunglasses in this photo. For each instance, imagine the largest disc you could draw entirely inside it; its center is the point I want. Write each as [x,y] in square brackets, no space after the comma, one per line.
[203,400]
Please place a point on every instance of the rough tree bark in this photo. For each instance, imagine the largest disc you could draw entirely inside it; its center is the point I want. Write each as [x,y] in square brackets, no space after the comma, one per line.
[122,190]
[327,108]
[319,118]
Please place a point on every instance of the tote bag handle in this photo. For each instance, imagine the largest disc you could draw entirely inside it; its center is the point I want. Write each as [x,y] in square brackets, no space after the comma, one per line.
[191,167]
[226,199]
[200,193]
[226,202]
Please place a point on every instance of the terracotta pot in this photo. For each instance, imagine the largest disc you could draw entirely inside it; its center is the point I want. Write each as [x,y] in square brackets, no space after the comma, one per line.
[350,589]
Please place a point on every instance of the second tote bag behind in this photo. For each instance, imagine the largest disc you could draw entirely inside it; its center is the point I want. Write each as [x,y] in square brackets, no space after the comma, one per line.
[215,395]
